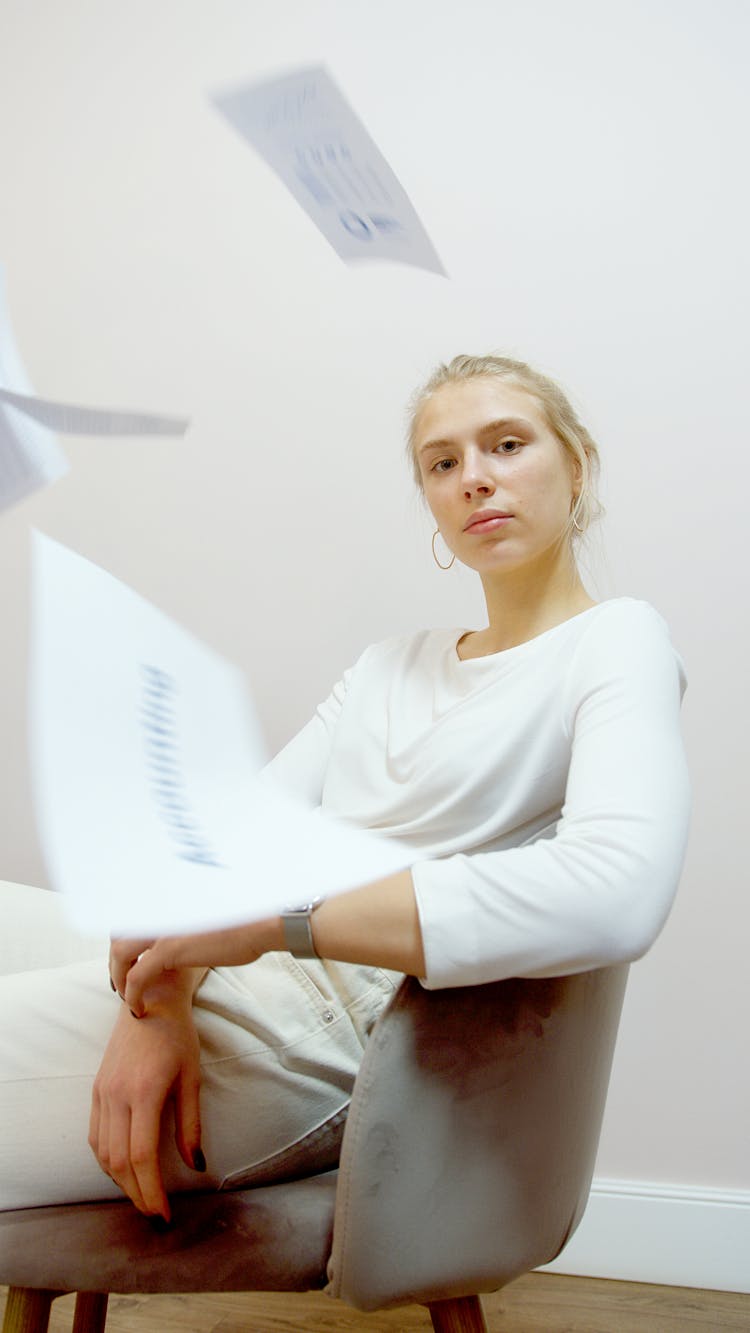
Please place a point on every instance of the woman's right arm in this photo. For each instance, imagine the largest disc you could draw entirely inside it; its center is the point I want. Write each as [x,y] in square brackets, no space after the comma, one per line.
[151,1061]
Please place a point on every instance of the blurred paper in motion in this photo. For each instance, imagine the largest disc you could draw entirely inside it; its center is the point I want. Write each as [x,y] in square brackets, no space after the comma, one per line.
[71,419]
[307,132]
[146,764]
[30,456]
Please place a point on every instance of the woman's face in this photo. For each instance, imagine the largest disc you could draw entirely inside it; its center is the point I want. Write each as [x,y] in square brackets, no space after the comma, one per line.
[498,481]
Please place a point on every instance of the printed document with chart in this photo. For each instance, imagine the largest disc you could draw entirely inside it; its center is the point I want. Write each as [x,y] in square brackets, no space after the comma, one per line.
[146,762]
[305,129]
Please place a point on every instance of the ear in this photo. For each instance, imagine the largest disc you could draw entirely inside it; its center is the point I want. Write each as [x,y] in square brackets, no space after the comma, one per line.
[578,475]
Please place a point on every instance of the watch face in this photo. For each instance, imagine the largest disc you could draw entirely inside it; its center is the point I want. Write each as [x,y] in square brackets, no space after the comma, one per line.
[305,909]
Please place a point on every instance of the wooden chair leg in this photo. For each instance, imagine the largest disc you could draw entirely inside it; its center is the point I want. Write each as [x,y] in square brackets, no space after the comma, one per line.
[463,1314]
[91,1312]
[27,1310]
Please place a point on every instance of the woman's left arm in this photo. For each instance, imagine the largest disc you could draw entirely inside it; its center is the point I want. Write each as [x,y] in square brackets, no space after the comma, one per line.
[377,925]
[597,888]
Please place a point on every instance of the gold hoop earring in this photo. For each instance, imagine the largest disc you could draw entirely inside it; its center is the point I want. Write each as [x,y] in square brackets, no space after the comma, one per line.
[577,501]
[434,555]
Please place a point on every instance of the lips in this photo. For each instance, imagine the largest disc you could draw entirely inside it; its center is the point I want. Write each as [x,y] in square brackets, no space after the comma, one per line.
[484,520]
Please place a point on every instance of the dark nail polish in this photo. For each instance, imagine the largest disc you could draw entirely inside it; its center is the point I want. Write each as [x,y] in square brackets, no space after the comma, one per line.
[112,984]
[199,1161]
[159,1223]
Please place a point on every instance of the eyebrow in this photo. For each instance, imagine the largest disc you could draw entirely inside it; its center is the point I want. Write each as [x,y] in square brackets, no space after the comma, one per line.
[518,424]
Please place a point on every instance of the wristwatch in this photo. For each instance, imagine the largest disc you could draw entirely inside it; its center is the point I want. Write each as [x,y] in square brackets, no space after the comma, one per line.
[298,936]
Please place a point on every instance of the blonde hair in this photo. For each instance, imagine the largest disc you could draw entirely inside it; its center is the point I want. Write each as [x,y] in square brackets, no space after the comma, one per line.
[561,418]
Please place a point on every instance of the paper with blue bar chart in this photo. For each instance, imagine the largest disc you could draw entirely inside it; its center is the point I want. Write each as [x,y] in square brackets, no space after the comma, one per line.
[146,756]
[309,135]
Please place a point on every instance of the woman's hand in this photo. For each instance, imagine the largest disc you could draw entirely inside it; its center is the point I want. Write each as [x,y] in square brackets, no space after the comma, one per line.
[145,1065]
[159,959]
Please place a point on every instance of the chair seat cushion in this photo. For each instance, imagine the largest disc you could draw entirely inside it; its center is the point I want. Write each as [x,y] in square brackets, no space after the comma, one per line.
[274,1238]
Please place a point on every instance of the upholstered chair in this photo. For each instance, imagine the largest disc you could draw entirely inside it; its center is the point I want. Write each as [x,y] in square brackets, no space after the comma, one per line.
[466,1161]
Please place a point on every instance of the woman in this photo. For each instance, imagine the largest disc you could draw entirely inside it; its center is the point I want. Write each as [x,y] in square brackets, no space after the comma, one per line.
[535,766]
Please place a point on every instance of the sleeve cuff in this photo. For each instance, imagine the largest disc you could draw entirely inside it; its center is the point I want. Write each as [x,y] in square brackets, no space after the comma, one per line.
[448,937]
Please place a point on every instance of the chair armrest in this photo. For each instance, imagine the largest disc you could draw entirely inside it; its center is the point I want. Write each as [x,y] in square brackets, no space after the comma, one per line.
[470,1143]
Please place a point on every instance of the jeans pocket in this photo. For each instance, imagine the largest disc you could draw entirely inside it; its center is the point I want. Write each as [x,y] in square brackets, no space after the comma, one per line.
[314,1153]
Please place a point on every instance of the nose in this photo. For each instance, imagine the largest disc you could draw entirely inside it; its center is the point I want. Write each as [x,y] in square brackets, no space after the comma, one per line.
[476,478]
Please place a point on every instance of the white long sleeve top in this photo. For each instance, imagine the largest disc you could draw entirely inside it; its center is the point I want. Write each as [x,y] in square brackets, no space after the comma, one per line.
[543,788]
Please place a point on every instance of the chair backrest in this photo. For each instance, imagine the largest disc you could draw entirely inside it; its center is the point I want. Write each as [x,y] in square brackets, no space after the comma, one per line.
[470,1144]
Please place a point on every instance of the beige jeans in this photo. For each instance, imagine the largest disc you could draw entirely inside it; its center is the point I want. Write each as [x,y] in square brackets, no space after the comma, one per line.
[281,1043]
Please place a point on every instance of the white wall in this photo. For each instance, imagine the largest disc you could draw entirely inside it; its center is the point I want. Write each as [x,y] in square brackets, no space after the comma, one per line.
[580,168]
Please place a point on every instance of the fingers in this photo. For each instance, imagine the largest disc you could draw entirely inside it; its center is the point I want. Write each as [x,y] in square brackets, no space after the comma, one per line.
[126,1146]
[140,964]
[143,1166]
[124,1138]
[109,1137]
[163,956]
[123,953]
[214,948]
[95,1118]
[187,1119]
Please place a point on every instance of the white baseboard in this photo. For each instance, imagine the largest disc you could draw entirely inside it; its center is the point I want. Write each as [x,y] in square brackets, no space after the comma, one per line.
[678,1235]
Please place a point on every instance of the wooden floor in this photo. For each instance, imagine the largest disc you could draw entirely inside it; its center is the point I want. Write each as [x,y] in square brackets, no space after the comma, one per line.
[538,1303]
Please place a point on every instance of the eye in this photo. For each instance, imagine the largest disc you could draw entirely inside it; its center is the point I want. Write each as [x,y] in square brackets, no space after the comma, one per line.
[444,465]
[508,447]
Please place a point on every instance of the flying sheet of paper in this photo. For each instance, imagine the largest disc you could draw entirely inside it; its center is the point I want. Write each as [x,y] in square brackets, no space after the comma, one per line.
[307,132]
[146,759]
[71,419]
[30,456]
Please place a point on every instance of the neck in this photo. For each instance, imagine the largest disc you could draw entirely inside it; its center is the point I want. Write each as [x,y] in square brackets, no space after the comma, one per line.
[524,603]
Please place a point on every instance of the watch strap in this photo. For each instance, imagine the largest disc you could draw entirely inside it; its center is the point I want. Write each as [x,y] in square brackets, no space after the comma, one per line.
[298,936]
